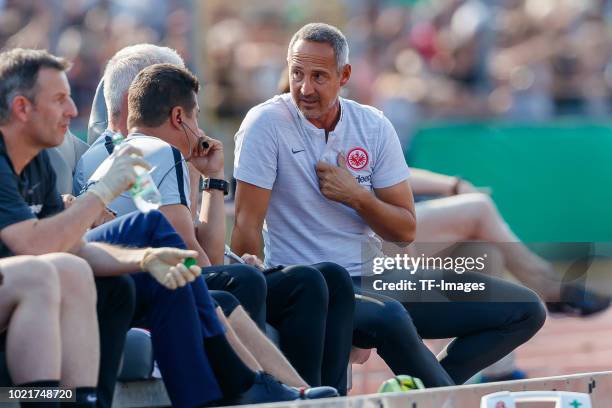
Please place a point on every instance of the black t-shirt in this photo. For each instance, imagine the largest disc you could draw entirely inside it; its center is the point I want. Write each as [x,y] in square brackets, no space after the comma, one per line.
[32,194]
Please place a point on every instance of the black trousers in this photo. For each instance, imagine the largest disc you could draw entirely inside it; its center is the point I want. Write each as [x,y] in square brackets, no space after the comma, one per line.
[486,325]
[312,308]
[116,300]
[246,283]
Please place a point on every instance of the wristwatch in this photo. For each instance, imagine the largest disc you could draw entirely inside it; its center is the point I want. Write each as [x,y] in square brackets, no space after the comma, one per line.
[215,184]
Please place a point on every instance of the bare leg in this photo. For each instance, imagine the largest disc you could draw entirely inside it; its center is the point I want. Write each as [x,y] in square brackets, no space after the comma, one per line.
[475,217]
[30,308]
[242,352]
[266,353]
[78,319]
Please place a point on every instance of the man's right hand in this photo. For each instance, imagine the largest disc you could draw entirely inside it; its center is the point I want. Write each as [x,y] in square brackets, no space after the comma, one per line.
[121,175]
[253,260]
[165,264]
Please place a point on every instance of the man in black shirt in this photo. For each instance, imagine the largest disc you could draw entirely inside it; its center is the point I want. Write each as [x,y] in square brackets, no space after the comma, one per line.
[35,111]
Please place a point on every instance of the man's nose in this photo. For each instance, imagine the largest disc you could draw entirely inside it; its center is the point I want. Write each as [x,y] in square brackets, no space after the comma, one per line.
[306,88]
[71,110]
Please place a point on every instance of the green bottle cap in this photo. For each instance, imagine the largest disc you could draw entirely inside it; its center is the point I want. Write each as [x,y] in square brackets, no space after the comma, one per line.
[189,262]
[117,139]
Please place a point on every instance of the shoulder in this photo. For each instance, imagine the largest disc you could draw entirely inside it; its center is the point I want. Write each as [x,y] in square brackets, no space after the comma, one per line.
[156,152]
[362,113]
[150,146]
[270,112]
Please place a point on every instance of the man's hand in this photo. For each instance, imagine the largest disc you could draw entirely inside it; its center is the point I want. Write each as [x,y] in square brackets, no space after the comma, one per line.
[253,260]
[461,186]
[68,199]
[121,175]
[336,182]
[208,161]
[165,264]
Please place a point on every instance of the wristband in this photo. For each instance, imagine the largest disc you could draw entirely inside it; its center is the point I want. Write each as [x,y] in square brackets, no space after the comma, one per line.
[145,258]
[215,184]
[100,190]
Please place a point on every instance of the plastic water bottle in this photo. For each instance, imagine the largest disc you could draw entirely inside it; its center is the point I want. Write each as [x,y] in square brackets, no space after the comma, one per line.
[144,192]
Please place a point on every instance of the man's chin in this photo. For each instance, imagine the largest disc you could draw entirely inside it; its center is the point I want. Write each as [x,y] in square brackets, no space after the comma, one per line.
[58,139]
[310,113]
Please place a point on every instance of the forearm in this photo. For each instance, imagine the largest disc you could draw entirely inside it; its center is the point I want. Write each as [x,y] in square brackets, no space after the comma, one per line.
[264,351]
[110,260]
[194,182]
[390,222]
[246,240]
[210,232]
[63,231]
[202,258]
[424,182]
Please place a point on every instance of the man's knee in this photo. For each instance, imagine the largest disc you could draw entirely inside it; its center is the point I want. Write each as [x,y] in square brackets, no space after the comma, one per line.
[226,301]
[483,203]
[151,218]
[75,277]
[309,282]
[532,313]
[37,278]
[162,232]
[251,278]
[337,278]
[393,324]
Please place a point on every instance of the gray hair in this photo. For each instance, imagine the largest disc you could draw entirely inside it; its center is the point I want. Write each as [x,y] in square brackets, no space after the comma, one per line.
[19,70]
[324,33]
[123,67]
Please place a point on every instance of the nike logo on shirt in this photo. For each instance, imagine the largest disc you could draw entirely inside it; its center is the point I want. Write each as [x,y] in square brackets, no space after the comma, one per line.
[296,151]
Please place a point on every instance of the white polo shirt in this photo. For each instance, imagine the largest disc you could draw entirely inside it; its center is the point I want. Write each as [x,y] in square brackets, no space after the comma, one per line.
[168,171]
[277,148]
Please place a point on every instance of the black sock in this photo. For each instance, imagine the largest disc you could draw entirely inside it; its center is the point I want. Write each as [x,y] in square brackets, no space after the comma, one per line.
[86,397]
[234,377]
[40,384]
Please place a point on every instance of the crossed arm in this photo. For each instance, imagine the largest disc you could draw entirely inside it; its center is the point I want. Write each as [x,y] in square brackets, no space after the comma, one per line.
[63,232]
[388,211]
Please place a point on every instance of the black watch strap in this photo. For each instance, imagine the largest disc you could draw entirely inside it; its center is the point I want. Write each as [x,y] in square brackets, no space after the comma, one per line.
[215,184]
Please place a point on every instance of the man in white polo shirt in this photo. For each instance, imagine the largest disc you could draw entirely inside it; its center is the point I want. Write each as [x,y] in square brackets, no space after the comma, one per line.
[327,175]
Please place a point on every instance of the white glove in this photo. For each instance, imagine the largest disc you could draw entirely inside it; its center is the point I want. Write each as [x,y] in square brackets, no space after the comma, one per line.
[121,175]
[165,265]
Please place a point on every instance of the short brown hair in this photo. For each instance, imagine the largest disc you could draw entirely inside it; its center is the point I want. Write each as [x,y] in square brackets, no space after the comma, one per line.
[19,69]
[156,90]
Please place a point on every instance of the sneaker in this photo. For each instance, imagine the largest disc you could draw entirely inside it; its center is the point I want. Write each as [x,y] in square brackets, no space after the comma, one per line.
[578,301]
[268,389]
[513,375]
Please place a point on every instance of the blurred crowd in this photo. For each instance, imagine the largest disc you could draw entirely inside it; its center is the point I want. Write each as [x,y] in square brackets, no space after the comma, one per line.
[521,60]
[89,32]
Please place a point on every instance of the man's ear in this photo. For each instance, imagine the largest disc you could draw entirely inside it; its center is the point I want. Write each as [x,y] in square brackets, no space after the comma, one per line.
[345,74]
[177,114]
[21,108]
